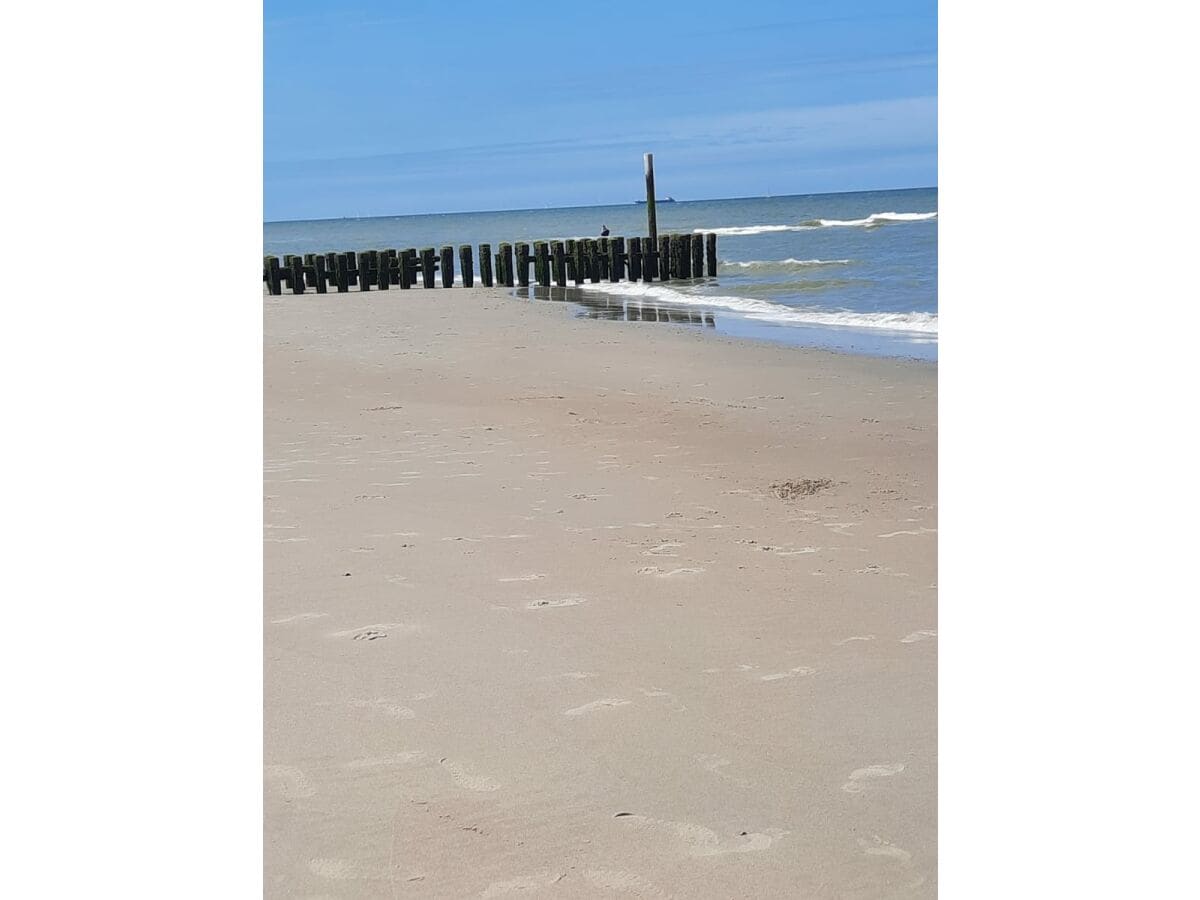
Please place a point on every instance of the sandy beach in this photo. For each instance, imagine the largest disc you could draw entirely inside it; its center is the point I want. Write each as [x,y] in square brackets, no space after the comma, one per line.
[564,607]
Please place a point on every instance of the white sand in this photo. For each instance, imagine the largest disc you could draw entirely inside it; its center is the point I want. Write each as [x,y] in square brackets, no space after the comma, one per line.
[537,623]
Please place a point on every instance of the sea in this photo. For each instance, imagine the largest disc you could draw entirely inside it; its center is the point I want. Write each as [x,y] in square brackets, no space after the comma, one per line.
[851,272]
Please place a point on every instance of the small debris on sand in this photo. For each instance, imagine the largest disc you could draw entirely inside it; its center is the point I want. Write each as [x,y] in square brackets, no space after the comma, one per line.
[805,487]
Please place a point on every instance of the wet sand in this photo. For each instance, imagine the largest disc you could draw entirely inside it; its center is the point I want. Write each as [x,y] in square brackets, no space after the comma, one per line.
[579,608]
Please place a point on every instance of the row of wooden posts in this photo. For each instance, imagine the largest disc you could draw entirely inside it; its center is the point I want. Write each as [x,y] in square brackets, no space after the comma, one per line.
[586,259]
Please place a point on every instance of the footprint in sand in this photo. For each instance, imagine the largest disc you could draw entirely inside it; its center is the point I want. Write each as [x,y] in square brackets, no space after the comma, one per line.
[375,762]
[622,882]
[666,695]
[856,637]
[386,707]
[596,705]
[917,531]
[840,527]
[655,570]
[918,636]
[700,841]
[549,604]
[289,782]
[663,549]
[299,617]
[859,777]
[879,847]
[464,778]
[523,578]
[372,632]
[790,673]
[353,870]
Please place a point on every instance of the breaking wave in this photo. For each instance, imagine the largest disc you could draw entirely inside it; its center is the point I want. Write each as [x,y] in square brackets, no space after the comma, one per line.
[872,221]
[750,229]
[788,263]
[766,311]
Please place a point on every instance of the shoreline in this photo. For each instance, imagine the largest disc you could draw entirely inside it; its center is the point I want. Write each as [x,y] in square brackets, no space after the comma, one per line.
[552,606]
[874,342]
[586,304]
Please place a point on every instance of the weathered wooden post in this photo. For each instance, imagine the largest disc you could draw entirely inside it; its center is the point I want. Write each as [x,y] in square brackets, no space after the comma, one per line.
[649,259]
[616,258]
[585,258]
[683,257]
[322,276]
[541,263]
[271,274]
[602,258]
[377,266]
[485,264]
[560,263]
[593,250]
[506,264]
[383,274]
[572,251]
[428,267]
[310,272]
[365,275]
[635,259]
[468,267]
[447,267]
[585,267]
[405,269]
[651,221]
[697,255]
[341,273]
[285,271]
[664,258]
[352,267]
[710,251]
[297,270]
[522,264]
[415,259]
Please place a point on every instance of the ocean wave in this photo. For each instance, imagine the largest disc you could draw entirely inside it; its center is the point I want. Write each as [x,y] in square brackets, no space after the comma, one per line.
[871,221]
[750,229]
[766,311]
[788,263]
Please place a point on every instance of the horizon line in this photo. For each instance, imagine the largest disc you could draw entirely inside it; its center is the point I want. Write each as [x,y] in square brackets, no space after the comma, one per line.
[472,212]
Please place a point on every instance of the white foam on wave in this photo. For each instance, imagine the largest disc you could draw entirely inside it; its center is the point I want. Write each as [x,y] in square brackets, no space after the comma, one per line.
[766,311]
[751,229]
[783,263]
[871,221]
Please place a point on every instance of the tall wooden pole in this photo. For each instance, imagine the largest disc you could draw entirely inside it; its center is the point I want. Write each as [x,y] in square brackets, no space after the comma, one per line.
[650,220]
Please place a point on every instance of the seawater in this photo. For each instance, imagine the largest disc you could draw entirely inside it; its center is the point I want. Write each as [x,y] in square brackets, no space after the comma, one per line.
[855,272]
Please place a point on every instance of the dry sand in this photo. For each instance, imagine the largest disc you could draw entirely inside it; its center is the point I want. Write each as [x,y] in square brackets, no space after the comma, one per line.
[538,624]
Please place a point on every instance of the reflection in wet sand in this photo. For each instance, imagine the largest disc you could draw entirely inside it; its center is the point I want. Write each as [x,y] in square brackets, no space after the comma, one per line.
[623,309]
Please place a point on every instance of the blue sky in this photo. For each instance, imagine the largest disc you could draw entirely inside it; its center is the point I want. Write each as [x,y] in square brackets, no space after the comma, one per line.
[375,108]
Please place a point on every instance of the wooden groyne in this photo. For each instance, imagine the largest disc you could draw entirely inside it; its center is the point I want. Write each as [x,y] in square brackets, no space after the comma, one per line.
[594,260]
